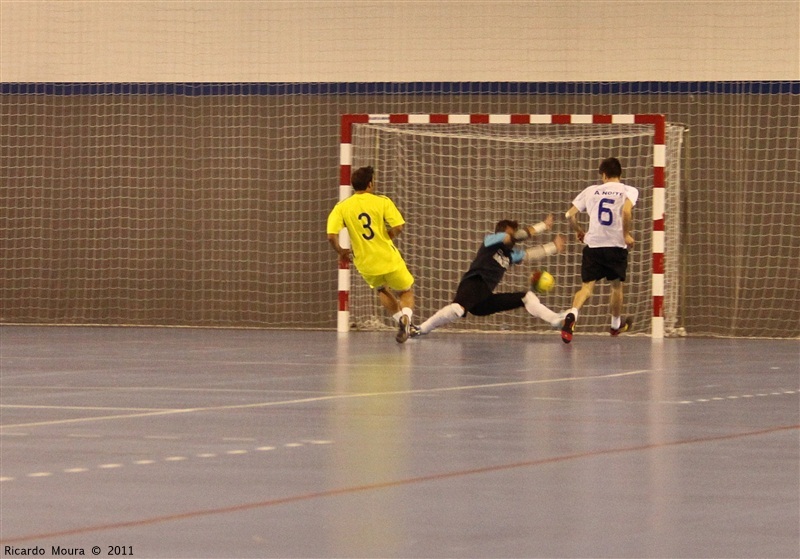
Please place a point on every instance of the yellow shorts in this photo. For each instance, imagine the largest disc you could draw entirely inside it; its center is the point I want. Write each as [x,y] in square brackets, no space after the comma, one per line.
[399,280]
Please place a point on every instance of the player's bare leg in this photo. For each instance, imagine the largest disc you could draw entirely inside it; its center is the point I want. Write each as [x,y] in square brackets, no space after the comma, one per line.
[615,300]
[388,300]
[618,325]
[583,295]
[404,308]
[407,299]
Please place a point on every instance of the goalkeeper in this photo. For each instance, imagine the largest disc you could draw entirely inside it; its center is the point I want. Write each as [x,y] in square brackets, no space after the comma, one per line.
[475,292]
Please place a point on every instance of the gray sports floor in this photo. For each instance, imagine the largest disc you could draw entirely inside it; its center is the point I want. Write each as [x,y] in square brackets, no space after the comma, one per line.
[259,443]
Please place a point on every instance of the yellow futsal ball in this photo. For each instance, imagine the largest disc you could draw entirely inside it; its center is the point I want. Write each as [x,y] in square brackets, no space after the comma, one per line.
[542,281]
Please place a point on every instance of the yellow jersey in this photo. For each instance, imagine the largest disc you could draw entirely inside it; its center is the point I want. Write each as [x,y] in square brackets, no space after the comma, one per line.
[368,217]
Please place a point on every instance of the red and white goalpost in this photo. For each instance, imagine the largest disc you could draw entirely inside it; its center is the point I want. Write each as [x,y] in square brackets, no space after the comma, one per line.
[462,155]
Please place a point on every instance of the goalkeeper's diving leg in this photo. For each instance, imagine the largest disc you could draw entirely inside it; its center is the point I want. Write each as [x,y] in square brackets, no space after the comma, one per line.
[500,302]
[537,309]
[443,316]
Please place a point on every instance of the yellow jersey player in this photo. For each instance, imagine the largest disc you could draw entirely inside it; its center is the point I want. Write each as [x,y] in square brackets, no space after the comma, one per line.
[372,222]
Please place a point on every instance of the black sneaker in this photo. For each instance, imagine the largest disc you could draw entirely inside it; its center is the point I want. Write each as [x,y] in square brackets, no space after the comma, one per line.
[403,329]
[568,328]
[414,331]
[624,327]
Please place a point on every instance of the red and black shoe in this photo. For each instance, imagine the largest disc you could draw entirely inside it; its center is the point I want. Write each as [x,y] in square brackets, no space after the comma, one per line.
[624,327]
[567,328]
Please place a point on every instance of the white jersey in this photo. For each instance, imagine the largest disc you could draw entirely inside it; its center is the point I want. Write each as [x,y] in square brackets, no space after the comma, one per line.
[604,203]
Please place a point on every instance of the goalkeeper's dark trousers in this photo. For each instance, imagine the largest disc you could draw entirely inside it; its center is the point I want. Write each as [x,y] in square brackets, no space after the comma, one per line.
[477,298]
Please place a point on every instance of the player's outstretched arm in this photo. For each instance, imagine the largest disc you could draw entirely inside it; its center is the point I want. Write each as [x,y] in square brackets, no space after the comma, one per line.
[555,246]
[572,217]
[530,230]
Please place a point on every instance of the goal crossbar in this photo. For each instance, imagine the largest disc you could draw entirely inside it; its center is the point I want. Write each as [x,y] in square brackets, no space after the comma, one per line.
[656,121]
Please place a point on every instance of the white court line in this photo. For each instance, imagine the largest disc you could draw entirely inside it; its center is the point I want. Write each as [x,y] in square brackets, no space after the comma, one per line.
[99,418]
[327,398]
[32,407]
[713,399]
[150,388]
[173,458]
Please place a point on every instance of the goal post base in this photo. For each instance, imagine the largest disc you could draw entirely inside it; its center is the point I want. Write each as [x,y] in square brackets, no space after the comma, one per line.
[657,328]
[343,321]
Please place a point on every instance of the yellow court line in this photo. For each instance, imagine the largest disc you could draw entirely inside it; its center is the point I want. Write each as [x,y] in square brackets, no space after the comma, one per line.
[325,398]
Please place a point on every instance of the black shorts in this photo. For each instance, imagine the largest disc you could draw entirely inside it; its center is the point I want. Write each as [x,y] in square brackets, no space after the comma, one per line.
[609,263]
[477,298]
[472,291]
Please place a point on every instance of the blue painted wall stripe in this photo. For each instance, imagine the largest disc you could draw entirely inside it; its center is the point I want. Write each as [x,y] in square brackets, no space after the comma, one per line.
[406,88]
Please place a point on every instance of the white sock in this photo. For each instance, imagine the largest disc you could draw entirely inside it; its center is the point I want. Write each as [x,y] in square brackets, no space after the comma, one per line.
[616,321]
[397,315]
[408,311]
[537,309]
[445,315]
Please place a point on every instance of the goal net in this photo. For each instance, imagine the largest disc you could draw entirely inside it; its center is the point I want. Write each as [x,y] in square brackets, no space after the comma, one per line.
[454,180]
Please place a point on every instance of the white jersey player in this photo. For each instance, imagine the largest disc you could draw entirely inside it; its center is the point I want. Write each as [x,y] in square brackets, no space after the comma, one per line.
[605,256]
[605,205]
